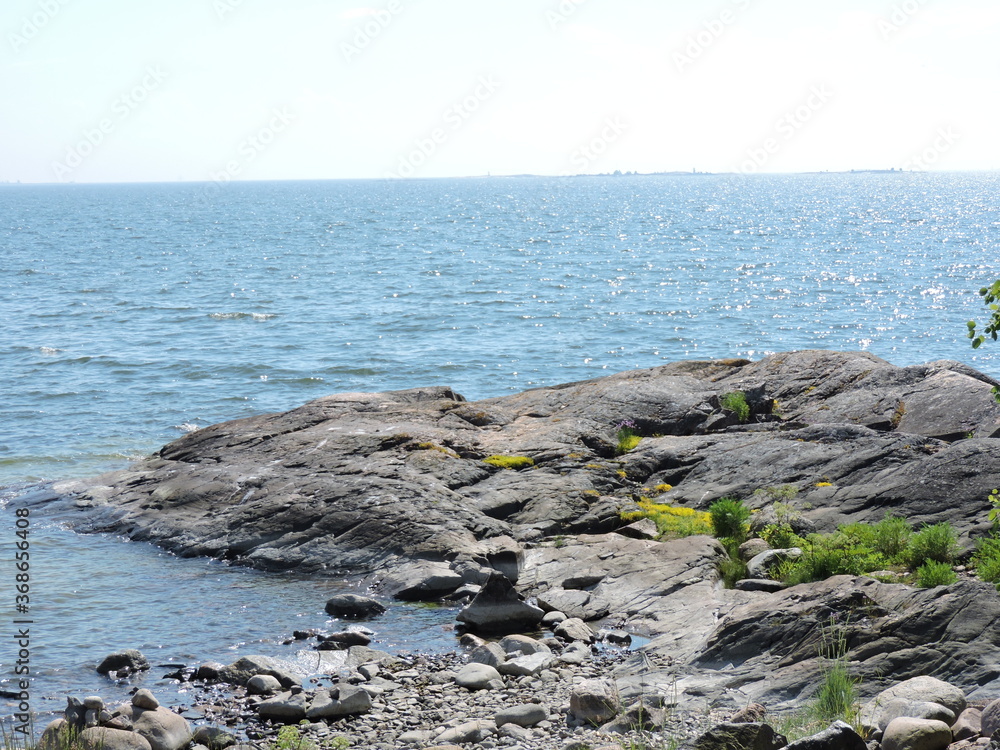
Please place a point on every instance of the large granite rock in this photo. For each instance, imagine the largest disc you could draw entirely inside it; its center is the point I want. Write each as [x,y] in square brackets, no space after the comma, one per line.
[392,489]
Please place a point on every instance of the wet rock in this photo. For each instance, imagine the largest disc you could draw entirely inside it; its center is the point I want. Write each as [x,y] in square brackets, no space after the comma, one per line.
[129,660]
[343,640]
[353,606]
[263,684]
[498,609]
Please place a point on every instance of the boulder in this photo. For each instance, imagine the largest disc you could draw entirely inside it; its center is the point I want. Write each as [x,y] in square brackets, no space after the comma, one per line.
[575,629]
[753,547]
[468,733]
[904,707]
[524,666]
[740,736]
[523,644]
[164,729]
[478,677]
[906,733]
[922,689]
[263,684]
[58,736]
[283,708]
[128,661]
[343,700]
[214,738]
[102,738]
[990,719]
[498,609]
[969,724]
[524,715]
[838,736]
[491,654]
[343,640]
[594,702]
[761,565]
[354,607]
[422,581]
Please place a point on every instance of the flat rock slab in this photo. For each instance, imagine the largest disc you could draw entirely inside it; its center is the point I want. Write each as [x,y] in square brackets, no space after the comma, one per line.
[395,490]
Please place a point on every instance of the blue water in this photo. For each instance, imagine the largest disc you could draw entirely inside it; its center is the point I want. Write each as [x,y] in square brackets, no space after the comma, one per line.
[132,313]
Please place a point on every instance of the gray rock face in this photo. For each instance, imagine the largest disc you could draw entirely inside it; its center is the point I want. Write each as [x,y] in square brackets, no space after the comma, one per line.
[392,488]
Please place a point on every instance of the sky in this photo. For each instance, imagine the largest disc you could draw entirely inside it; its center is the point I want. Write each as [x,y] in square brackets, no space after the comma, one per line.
[223,90]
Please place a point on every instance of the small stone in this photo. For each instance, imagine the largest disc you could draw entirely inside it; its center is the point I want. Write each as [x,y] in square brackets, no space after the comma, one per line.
[352,606]
[263,684]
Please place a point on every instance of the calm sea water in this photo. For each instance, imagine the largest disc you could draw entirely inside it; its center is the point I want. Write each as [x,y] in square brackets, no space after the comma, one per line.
[132,313]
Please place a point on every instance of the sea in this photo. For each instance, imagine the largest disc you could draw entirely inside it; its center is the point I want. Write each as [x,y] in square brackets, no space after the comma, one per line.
[131,314]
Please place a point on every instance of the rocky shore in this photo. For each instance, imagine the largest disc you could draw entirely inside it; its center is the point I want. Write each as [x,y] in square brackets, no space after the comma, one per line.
[422,495]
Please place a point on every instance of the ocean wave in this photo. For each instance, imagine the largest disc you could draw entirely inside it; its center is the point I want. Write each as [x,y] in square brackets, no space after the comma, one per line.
[242,316]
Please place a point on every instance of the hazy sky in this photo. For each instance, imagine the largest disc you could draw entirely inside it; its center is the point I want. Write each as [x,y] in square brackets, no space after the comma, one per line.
[137,90]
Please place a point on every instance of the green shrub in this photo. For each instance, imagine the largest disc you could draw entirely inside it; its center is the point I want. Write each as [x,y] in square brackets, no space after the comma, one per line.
[509,462]
[986,559]
[937,543]
[932,574]
[732,569]
[892,537]
[781,536]
[847,551]
[729,519]
[736,402]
